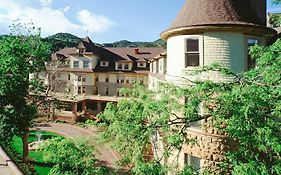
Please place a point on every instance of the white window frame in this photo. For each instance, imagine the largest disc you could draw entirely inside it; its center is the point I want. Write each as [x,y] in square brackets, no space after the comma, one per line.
[122,66]
[191,52]
[76,64]
[104,63]
[86,66]
[188,161]
[142,64]
[81,90]
[126,66]
[247,54]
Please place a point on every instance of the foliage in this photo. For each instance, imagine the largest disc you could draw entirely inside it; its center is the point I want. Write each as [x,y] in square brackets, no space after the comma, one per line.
[125,43]
[21,54]
[251,111]
[275,19]
[134,120]
[71,157]
[39,165]
[62,40]
[248,109]
[276,1]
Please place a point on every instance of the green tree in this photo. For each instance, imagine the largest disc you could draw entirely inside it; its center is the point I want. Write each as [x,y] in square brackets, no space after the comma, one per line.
[21,54]
[249,108]
[71,157]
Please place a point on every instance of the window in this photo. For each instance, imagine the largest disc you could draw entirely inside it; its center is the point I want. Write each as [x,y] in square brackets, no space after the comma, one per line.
[192,52]
[121,80]
[96,90]
[192,161]
[79,90]
[97,79]
[250,62]
[106,91]
[81,78]
[160,65]
[118,92]
[58,75]
[141,80]
[134,79]
[81,51]
[76,64]
[126,66]
[127,80]
[107,79]
[86,64]
[119,66]
[104,63]
[141,64]
[68,76]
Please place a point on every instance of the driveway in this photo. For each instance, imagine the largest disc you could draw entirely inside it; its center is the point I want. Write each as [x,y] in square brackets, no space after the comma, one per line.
[104,154]
[7,167]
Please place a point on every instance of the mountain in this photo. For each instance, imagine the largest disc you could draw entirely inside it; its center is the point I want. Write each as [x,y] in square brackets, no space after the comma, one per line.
[125,43]
[62,40]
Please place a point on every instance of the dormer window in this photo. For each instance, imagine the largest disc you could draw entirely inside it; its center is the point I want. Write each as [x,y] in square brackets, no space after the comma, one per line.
[104,63]
[126,66]
[81,52]
[120,66]
[75,64]
[192,52]
[86,64]
[142,64]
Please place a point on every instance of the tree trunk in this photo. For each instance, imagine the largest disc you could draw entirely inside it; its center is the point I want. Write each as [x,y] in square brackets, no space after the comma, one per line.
[25,145]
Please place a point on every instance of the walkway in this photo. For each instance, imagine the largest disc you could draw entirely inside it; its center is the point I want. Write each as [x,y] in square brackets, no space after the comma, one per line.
[7,167]
[104,154]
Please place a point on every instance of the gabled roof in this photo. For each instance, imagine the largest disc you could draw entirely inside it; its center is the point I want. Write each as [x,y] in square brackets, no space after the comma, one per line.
[196,13]
[142,54]
[111,55]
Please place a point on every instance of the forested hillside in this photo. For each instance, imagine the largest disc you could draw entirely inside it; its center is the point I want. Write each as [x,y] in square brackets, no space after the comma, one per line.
[62,40]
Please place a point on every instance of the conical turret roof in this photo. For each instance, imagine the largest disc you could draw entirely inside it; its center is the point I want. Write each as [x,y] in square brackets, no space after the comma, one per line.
[219,12]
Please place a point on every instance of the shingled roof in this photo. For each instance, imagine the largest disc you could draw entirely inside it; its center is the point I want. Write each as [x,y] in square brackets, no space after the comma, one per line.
[220,12]
[111,55]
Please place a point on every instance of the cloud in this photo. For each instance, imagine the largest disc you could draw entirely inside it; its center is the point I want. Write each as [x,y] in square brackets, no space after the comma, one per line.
[93,23]
[46,2]
[52,20]
[65,9]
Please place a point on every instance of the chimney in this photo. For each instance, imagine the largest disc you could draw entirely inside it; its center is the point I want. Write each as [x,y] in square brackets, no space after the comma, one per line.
[259,7]
[137,51]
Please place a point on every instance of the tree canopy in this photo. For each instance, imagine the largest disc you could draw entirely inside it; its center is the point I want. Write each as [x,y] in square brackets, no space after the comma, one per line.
[249,108]
[21,54]
[71,157]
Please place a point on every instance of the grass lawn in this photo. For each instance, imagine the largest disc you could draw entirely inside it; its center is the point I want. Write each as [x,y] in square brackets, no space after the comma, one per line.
[41,167]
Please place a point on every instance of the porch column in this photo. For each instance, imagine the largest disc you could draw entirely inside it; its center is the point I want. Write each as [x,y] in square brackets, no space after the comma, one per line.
[84,106]
[99,106]
[74,111]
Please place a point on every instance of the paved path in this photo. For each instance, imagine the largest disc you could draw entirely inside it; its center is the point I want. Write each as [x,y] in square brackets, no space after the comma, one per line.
[103,153]
[7,167]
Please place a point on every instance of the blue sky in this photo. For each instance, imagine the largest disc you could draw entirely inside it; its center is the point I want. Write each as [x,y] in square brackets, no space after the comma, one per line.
[102,20]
